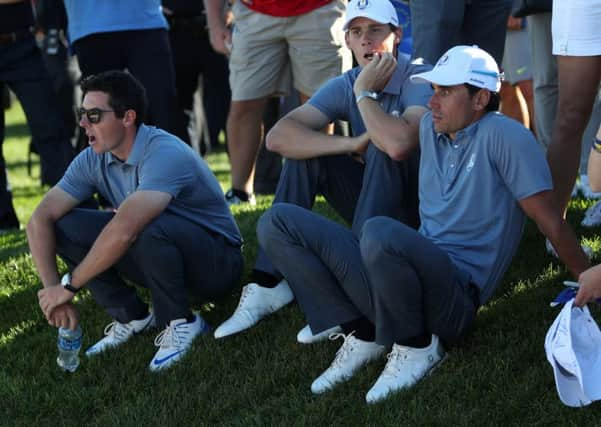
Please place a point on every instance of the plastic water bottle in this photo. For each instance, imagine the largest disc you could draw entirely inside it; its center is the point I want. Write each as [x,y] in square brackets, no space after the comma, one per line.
[69,344]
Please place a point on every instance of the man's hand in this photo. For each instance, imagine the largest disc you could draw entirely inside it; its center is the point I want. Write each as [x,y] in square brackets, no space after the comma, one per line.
[51,297]
[221,39]
[375,75]
[590,286]
[64,316]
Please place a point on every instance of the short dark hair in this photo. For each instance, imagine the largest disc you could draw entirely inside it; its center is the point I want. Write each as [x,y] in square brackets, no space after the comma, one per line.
[125,92]
[493,103]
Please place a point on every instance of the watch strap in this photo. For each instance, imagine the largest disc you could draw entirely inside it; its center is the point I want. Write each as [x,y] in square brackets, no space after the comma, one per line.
[367,94]
[66,283]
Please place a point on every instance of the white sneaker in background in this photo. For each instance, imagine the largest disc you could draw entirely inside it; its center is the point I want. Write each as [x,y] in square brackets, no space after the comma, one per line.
[305,335]
[175,340]
[585,188]
[256,302]
[551,250]
[405,367]
[592,216]
[353,354]
[118,333]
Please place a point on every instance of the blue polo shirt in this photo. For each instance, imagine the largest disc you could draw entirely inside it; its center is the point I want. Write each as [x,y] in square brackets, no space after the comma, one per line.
[336,98]
[101,16]
[158,162]
[469,190]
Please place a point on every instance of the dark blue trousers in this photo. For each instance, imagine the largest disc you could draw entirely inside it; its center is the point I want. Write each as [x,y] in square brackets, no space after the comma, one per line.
[390,274]
[178,261]
[356,191]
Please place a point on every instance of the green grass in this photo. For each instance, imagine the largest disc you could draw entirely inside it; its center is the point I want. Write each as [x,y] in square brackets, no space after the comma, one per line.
[498,376]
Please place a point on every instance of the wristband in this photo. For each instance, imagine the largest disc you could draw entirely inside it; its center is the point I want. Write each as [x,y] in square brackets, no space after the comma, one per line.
[597,145]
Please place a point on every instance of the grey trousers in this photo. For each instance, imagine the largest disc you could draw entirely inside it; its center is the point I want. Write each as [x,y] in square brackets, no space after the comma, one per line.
[356,191]
[399,280]
[178,261]
[438,25]
[544,76]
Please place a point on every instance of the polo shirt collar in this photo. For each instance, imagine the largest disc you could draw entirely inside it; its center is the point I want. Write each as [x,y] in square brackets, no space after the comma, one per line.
[137,150]
[463,134]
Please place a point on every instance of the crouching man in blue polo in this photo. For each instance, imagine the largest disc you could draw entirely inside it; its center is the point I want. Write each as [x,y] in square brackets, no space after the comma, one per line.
[171,232]
[409,291]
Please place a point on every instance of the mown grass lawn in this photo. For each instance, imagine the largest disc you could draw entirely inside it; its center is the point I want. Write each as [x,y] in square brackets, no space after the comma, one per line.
[498,376]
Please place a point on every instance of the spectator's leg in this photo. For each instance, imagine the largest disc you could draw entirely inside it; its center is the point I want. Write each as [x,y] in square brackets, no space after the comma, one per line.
[244,133]
[579,78]
[435,27]
[8,217]
[485,24]
[544,75]
[149,59]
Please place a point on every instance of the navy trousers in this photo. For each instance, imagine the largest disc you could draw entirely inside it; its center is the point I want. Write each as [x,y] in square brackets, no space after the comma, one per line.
[390,274]
[178,261]
[356,191]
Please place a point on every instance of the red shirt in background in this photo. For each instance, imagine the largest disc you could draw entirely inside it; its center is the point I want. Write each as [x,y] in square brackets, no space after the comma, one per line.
[284,8]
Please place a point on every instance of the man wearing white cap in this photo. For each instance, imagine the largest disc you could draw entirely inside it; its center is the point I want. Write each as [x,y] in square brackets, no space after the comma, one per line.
[480,172]
[384,109]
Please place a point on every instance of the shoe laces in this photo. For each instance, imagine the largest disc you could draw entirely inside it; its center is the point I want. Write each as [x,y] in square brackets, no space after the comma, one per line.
[396,358]
[167,338]
[118,330]
[345,349]
[246,292]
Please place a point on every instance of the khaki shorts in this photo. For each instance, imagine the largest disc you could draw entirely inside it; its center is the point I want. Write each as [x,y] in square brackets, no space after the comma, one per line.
[268,51]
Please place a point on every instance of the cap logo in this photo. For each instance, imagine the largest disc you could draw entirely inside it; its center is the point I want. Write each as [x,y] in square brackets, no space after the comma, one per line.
[443,60]
[362,4]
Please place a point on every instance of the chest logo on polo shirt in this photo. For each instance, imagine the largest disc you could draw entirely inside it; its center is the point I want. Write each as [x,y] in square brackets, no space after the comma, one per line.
[471,163]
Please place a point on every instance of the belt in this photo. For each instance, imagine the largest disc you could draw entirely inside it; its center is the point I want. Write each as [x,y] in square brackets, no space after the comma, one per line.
[10,38]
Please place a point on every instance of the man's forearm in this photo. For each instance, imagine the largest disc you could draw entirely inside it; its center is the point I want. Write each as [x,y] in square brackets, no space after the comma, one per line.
[109,247]
[215,13]
[395,136]
[42,244]
[568,248]
[294,140]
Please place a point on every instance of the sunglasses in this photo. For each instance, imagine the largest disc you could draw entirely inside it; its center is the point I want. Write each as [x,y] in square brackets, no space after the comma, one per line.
[93,115]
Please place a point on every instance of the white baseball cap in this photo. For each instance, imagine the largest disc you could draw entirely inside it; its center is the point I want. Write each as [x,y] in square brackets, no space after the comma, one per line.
[381,11]
[464,64]
[573,347]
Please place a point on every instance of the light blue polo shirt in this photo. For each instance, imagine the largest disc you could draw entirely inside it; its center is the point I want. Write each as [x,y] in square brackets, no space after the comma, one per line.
[336,98]
[159,162]
[102,16]
[469,190]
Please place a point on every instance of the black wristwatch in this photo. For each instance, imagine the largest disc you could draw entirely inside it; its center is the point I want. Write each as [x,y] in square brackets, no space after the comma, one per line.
[66,283]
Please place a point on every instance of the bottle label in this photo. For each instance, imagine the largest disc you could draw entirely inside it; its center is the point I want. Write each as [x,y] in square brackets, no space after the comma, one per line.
[69,344]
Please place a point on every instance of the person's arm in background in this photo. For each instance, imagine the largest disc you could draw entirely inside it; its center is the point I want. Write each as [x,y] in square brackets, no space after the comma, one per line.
[219,33]
[594,164]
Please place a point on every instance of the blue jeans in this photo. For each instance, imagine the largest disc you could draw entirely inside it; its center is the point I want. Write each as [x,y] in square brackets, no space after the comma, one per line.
[178,261]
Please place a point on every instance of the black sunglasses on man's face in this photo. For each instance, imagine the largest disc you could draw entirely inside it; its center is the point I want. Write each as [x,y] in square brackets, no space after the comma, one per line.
[94,115]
